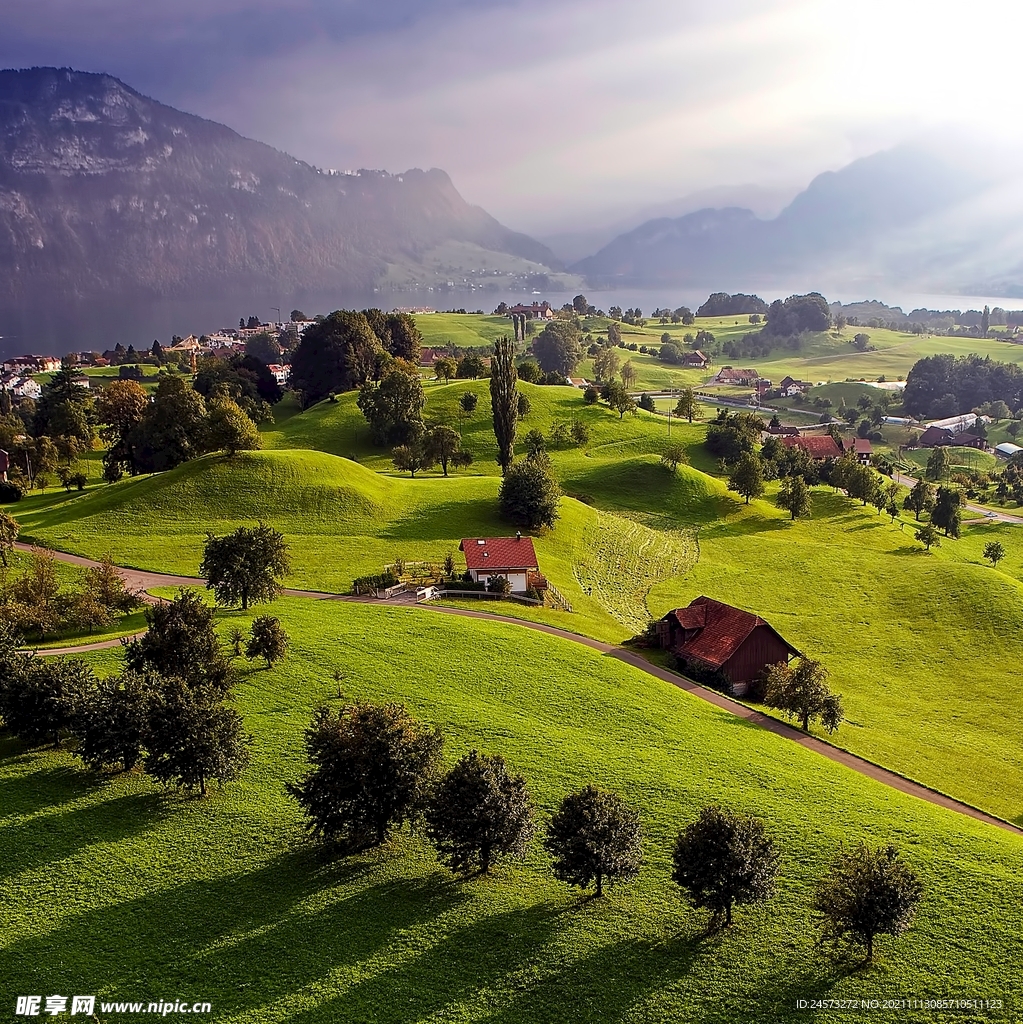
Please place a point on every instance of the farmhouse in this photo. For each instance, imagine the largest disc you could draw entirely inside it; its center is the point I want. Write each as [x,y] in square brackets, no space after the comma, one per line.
[534,311]
[511,557]
[697,360]
[789,386]
[817,446]
[729,375]
[711,636]
[935,437]
[861,450]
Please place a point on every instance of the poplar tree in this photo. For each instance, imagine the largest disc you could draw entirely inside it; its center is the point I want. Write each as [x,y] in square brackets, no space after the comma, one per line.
[504,400]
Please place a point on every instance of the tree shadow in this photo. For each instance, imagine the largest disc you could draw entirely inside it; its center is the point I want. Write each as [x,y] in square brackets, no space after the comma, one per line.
[484,955]
[48,785]
[52,838]
[252,931]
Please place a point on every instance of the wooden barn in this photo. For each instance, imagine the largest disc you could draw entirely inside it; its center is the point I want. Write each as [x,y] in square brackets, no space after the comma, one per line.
[713,636]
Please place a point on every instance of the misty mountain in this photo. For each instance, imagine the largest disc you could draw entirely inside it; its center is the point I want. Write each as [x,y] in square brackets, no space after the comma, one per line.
[105,192]
[897,216]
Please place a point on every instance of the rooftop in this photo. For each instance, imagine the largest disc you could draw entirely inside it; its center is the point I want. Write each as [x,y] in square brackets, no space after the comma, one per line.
[500,553]
[721,630]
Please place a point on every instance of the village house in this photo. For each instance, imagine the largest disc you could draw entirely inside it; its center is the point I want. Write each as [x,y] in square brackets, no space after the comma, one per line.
[817,446]
[709,635]
[20,386]
[280,373]
[861,450]
[534,311]
[510,557]
[31,364]
[695,360]
[730,375]
[790,387]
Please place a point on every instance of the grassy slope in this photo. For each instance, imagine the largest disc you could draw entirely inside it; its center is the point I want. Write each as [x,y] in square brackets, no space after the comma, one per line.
[112,888]
[921,646]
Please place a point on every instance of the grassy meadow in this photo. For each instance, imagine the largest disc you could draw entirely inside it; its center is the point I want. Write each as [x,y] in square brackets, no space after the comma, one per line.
[110,886]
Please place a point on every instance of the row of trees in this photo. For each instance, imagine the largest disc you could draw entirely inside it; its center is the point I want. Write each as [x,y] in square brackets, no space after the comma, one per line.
[947,385]
[373,768]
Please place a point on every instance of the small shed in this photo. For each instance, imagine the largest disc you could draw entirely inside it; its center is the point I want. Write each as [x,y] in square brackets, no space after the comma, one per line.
[714,636]
[511,557]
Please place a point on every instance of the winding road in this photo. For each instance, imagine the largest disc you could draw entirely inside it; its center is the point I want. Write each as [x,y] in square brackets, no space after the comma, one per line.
[143,581]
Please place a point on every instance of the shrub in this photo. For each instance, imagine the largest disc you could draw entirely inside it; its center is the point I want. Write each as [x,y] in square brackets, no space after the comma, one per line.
[591,395]
[529,495]
[10,492]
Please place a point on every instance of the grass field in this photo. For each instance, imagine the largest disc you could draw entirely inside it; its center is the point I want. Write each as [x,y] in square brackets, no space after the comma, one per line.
[110,887]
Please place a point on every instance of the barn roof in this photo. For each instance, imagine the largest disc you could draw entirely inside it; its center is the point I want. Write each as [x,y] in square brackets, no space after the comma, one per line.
[934,436]
[721,630]
[817,446]
[499,553]
[862,446]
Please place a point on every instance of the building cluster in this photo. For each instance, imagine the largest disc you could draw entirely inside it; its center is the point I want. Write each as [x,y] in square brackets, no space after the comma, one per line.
[16,374]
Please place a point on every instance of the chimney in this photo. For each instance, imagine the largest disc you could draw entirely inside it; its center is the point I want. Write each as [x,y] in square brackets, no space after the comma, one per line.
[518,535]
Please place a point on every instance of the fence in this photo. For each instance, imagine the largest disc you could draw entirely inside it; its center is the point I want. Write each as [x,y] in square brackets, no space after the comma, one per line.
[431,593]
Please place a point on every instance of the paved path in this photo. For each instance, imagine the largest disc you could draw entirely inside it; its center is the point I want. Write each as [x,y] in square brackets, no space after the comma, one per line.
[144,580]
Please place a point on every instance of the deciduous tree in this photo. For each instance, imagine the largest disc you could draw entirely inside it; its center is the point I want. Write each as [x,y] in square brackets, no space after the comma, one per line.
[868,892]
[557,347]
[372,769]
[687,406]
[675,455]
[947,513]
[394,407]
[245,566]
[478,814]
[504,401]
[747,477]
[994,551]
[723,860]
[928,536]
[920,498]
[529,495]
[794,497]
[111,725]
[594,837]
[267,640]
[9,529]
[802,692]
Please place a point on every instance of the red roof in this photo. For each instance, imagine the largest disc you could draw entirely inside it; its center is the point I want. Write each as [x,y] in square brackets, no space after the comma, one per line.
[862,446]
[500,553]
[817,446]
[721,630]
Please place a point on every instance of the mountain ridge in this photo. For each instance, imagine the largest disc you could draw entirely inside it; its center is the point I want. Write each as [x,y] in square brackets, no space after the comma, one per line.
[106,191]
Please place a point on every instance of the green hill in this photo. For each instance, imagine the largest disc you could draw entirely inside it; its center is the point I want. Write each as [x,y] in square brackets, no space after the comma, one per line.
[117,890]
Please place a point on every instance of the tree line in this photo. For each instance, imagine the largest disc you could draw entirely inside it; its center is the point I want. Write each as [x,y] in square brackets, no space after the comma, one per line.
[374,768]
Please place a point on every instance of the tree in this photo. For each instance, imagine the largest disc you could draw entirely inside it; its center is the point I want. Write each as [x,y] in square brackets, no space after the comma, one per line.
[403,339]
[802,692]
[394,407]
[65,407]
[594,836]
[105,582]
[920,498]
[174,430]
[580,305]
[504,401]
[687,407]
[529,495]
[557,347]
[868,892]
[181,641]
[619,399]
[264,347]
[605,364]
[947,513]
[414,456]
[111,725]
[747,477]
[723,860]
[985,322]
[336,353]
[230,429]
[246,565]
[861,342]
[9,529]
[192,737]
[863,483]
[470,367]
[267,640]
[478,814]
[928,536]
[372,769]
[522,406]
[794,497]
[121,407]
[536,443]
[675,455]
[614,333]
[939,462]
[468,402]
[994,552]
[443,444]
[591,395]
[445,368]
[629,374]
[41,697]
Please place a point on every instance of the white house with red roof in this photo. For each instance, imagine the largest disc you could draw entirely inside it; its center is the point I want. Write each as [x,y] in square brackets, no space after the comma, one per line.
[511,557]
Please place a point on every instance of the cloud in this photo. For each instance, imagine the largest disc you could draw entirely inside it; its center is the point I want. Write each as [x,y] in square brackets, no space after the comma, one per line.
[553,114]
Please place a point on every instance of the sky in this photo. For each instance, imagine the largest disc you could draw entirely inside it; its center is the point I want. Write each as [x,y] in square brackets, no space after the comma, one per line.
[557,115]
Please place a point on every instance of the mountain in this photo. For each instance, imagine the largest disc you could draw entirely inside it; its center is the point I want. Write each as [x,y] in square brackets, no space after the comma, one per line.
[899,216]
[104,192]
[572,245]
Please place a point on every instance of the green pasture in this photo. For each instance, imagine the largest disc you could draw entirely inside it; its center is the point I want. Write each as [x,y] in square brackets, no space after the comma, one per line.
[113,887]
